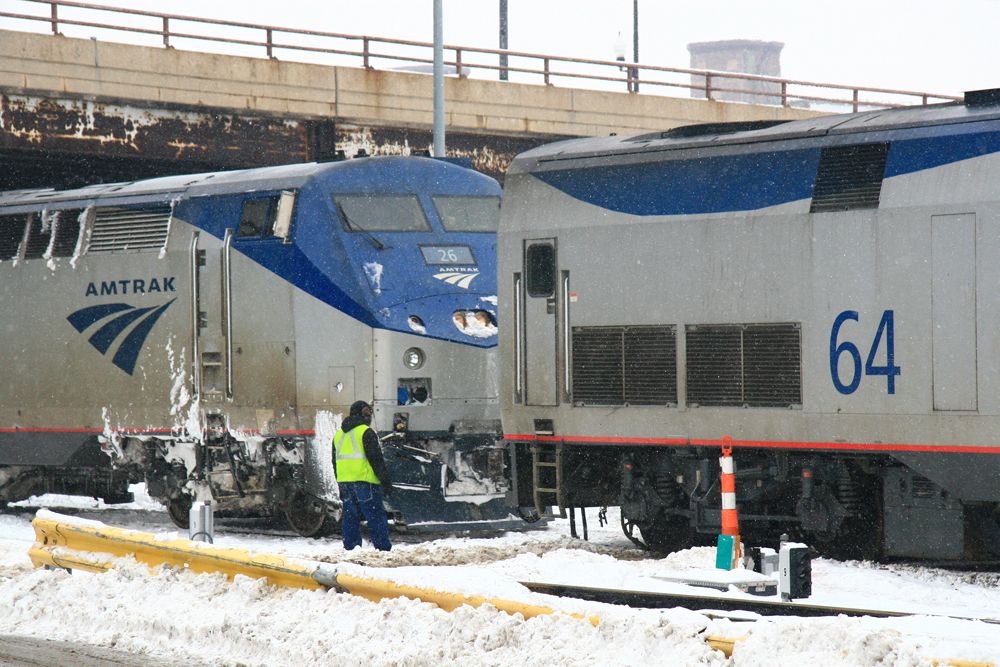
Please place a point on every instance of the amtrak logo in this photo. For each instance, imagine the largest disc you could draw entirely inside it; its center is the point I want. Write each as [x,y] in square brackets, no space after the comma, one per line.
[128,350]
[459,278]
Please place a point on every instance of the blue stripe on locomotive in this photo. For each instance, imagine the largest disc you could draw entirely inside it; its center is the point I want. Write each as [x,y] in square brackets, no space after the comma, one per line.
[754,180]
[327,262]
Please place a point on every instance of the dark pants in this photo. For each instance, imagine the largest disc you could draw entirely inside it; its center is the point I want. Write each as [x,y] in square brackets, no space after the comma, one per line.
[363,498]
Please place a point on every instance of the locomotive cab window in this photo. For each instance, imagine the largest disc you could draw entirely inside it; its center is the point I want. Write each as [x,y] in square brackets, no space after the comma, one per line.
[468,214]
[540,269]
[257,219]
[381,213]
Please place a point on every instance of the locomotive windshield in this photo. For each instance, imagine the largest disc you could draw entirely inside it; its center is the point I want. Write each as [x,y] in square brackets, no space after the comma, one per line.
[381,213]
[468,214]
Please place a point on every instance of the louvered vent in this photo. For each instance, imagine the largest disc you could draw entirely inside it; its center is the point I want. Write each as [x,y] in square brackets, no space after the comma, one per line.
[67,232]
[715,365]
[849,177]
[756,365]
[924,488]
[39,236]
[625,365]
[120,229]
[772,368]
[11,234]
[650,365]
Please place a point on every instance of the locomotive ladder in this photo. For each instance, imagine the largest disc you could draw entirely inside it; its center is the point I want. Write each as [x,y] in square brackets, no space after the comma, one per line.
[545,458]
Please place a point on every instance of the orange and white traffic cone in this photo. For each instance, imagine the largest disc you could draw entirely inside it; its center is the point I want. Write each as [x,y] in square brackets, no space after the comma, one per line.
[730,524]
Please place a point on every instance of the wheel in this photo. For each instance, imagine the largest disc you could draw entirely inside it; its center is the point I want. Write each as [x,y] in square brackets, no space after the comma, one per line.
[628,527]
[179,509]
[984,531]
[667,533]
[308,517]
[859,536]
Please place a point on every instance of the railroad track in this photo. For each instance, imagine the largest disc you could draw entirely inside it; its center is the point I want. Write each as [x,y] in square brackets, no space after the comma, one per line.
[648,600]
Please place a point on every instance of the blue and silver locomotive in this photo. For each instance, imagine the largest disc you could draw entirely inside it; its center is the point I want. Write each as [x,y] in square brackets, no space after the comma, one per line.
[822,290]
[205,333]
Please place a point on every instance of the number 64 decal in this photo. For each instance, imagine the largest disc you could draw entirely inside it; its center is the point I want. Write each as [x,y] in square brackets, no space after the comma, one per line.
[890,371]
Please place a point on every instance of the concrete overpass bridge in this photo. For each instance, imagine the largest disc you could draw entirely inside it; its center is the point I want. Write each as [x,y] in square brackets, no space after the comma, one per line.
[75,110]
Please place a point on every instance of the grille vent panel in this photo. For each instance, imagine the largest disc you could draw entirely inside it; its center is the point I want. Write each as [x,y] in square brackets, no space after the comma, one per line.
[772,366]
[122,229]
[39,236]
[625,365]
[67,232]
[849,177]
[715,365]
[924,488]
[756,365]
[11,234]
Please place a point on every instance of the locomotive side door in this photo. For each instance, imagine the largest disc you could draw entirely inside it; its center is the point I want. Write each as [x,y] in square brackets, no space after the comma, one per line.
[259,315]
[540,304]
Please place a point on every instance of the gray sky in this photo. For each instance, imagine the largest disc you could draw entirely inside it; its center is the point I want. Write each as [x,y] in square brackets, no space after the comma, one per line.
[928,46]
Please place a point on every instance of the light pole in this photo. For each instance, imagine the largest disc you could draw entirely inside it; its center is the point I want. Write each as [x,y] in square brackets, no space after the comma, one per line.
[503,39]
[438,79]
[635,45]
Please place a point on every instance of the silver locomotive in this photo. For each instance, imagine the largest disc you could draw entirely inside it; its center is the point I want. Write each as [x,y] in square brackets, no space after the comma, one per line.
[204,333]
[821,290]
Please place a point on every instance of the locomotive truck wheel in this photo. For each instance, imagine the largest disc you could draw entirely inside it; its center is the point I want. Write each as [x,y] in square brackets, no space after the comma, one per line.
[179,510]
[308,517]
[667,533]
[628,527]
[860,536]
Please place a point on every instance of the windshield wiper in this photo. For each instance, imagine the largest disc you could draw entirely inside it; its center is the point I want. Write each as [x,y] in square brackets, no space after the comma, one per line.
[355,226]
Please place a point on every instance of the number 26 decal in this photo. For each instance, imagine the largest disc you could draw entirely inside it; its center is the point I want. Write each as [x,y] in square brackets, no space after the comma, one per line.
[890,371]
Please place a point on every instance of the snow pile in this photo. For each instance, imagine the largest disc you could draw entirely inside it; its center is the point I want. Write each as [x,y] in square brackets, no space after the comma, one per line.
[142,501]
[206,618]
[830,642]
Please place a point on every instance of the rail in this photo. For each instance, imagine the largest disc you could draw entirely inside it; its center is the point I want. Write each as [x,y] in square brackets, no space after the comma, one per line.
[257,40]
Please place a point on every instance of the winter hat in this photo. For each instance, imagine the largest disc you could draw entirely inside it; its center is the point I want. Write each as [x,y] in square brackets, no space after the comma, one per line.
[357,409]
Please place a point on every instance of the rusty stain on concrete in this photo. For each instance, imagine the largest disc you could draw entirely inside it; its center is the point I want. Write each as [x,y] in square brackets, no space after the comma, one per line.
[80,126]
[72,142]
[490,154]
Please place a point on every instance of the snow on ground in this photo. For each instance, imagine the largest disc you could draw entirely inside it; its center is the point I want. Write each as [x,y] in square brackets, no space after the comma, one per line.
[206,618]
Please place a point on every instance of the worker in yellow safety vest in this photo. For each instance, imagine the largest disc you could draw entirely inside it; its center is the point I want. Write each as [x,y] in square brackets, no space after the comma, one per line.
[362,478]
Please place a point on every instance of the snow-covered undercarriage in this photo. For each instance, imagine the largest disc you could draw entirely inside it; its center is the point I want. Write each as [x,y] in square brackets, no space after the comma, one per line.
[240,476]
[436,480]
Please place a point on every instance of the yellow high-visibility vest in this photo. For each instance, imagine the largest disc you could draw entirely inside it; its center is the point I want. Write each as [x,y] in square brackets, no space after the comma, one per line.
[352,465]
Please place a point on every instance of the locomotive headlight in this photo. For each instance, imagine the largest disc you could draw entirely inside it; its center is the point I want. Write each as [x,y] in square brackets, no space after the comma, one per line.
[414,358]
[416,324]
[478,323]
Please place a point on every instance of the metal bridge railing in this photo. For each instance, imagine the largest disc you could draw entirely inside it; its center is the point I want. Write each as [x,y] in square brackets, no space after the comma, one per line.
[254,40]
